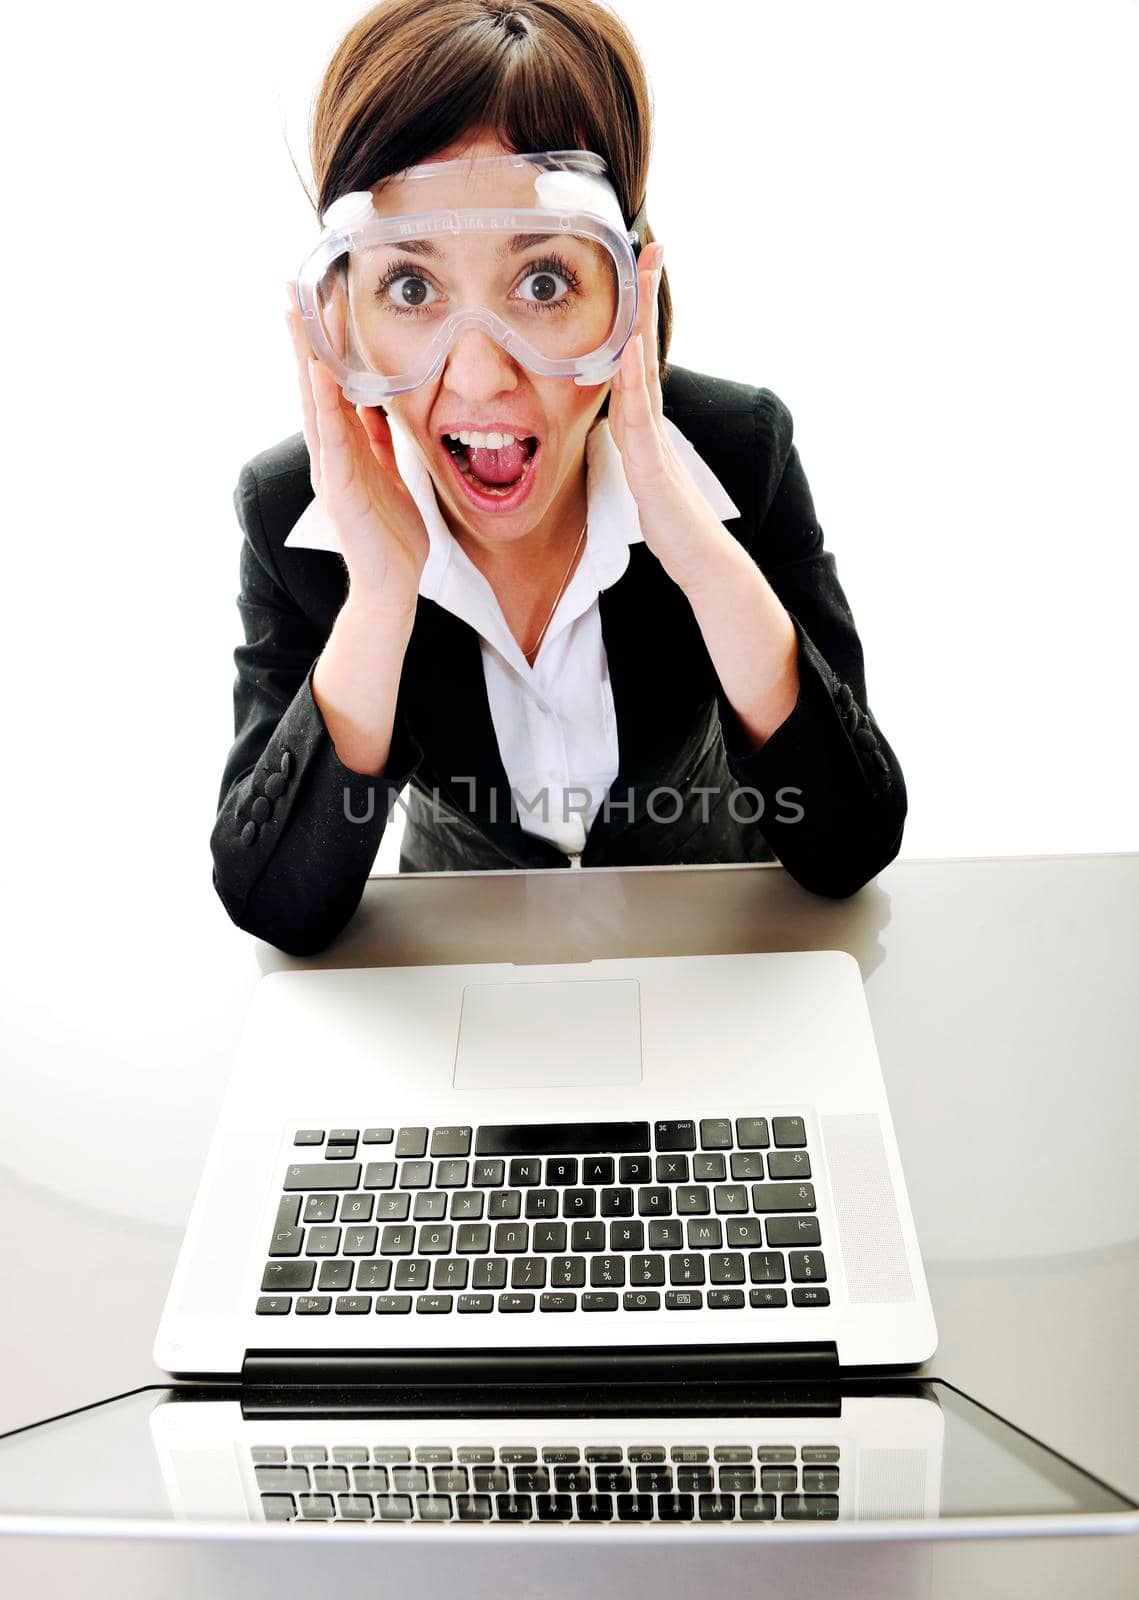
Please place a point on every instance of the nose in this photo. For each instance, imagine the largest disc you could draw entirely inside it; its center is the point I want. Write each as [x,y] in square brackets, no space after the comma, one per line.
[477,367]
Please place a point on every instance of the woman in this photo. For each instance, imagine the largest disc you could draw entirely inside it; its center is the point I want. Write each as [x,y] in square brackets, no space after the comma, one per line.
[652,627]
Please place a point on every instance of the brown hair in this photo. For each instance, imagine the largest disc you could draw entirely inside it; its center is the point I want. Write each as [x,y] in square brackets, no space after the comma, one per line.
[410,78]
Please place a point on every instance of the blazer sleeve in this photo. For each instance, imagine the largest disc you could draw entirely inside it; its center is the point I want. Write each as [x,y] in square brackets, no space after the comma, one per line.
[296,831]
[834,799]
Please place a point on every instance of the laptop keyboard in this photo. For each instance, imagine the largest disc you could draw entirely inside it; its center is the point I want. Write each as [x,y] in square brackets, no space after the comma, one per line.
[545,1219]
[556,1483]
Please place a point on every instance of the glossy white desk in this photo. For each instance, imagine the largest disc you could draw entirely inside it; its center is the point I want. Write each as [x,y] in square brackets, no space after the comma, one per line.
[1004,999]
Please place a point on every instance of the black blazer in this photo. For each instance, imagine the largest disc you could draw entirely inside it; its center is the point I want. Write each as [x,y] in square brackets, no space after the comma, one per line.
[297,831]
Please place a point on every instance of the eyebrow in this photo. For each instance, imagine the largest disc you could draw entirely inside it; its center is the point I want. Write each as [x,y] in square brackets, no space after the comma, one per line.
[515,245]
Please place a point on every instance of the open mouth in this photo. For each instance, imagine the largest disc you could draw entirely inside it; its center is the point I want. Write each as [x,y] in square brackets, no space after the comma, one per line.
[494,473]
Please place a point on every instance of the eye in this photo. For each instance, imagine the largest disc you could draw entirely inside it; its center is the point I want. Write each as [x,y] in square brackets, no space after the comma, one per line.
[544,286]
[544,278]
[403,290]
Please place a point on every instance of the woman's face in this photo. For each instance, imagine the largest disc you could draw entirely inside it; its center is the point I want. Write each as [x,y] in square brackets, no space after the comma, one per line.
[480,386]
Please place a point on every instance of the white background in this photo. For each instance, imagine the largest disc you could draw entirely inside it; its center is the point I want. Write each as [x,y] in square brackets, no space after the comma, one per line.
[916,224]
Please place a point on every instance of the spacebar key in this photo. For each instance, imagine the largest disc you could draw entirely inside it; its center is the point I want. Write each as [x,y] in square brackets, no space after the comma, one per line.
[324,1175]
[563,1139]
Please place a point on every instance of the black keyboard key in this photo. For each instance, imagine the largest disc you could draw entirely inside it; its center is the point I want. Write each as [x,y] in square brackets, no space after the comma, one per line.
[597,1170]
[339,1152]
[675,1135]
[489,1273]
[330,1175]
[278,1507]
[819,1454]
[705,1235]
[654,1202]
[309,1136]
[562,1139]
[322,1242]
[380,1175]
[353,1305]
[561,1171]
[579,1203]
[694,1480]
[588,1236]
[280,1275]
[435,1239]
[634,1508]
[393,1508]
[505,1203]
[635,1169]
[757,1508]
[338,1275]
[779,1455]
[282,1479]
[472,1238]
[751,1133]
[469,1203]
[646,1271]
[412,1274]
[558,1300]
[433,1305]
[683,1300]
[807,1266]
[717,1508]
[594,1508]
[393,1304]
[411,1142]
[820,1480]
[393,1207]
[561,1454]
[686,1269]
[397,1239]
[604,1300]
[715,1133]
[675,1507]
[572,1480]
[353,1207]
[286,1242]
[709,1169]
[778,1480]
[313,1305]
[289,1211]
[524,1171]
[725,1299]
[767,1266]
[747,1164]
[475,1303]
[789,1131]
[549,1236]
[274,1305]
[672,1169]
[415,1175]
[532,1479]
[511,1237]
[793,1230]
[567,1272]
[692,1200]
[744,1231]
[554,1508]
[514,1507]
[516,1302]
[655,1479]
[451,1174]
[541,1203]
[666,1235]
[360,1241]
[488,1174]
[450,1273]
[473,1507]
[373,1275]
[732,1453]
[726,1269]
[788,1164]
[268,1455]
[322,1207]
[453,1141]
[626,1236]
[608,1454]
[528,1272]
[379,1135]
[729,1197]
[489,1480]
[606,1271]
[354,1507]
[616,1202]
[767,1299]
[737,1480]
[783,1197]
[641,1300]
[429,1206]
[613,1479]
[809,1507]
[810,1296]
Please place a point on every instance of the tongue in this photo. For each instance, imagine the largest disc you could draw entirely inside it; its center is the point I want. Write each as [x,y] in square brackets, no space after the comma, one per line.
[498,466]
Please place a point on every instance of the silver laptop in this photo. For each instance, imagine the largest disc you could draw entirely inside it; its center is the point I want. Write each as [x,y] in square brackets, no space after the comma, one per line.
[667,1165]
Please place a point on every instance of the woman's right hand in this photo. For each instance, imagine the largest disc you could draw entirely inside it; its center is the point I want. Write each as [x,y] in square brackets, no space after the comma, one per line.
[355,477]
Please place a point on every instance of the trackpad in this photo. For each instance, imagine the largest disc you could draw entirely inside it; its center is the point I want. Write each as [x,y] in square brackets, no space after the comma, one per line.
[568,1033]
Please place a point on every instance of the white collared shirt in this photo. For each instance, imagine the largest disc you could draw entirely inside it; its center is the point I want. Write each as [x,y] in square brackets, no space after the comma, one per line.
[554,721]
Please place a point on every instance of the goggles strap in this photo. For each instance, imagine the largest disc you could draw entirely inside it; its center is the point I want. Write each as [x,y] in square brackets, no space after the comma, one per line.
[638,225]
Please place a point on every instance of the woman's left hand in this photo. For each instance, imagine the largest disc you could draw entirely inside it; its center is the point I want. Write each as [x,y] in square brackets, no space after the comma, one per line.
[679,525]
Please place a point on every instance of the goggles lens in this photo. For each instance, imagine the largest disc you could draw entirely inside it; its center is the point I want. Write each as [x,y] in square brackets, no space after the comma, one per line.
[530,251]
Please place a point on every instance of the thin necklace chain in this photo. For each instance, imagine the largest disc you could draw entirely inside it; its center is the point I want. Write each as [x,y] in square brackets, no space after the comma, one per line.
[533,648]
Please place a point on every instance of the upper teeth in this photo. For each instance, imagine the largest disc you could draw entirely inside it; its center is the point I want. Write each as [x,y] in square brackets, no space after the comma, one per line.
[484,441]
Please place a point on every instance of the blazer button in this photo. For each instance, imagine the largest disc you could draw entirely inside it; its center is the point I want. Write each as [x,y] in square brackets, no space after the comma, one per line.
[286,764]
[274,784]
[865,737]
[261,809]
[845,696]
[249,833]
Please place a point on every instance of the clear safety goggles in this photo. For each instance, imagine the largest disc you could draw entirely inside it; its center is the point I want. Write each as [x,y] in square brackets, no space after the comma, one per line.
[530,249]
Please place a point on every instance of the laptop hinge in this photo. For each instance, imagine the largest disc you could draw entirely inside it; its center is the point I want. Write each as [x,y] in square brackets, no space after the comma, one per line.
[703,1376]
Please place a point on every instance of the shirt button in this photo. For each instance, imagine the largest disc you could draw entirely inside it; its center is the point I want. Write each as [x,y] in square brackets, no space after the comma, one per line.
[544,708]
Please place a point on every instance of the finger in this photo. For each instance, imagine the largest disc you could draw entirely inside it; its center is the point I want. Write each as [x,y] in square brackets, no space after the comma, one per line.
[337,460]
[375,424]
